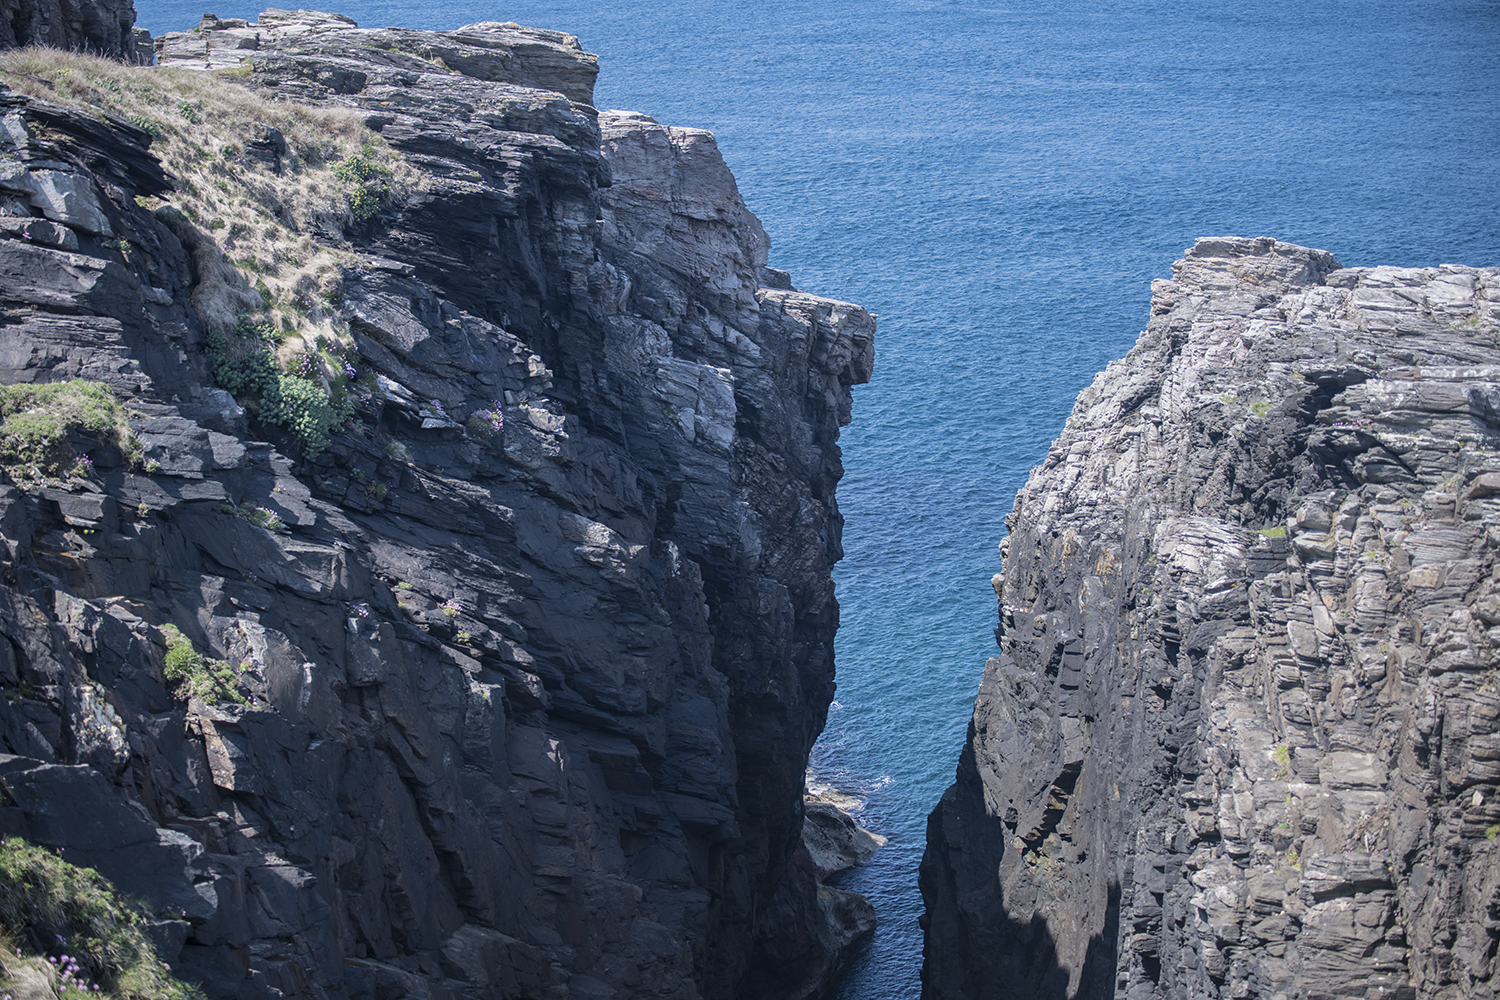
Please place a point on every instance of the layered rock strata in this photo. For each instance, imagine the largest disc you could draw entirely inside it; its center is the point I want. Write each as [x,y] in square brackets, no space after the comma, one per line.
[527,709]
[100,27]
[1241,739]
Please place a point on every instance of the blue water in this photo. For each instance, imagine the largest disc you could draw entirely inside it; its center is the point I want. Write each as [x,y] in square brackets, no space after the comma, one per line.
[1000,182]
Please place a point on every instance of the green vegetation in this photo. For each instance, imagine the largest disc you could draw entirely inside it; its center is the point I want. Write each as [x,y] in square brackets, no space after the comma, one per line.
[485,424]
[75,912]
[266,242]
[37,420]
[261,517]
[368,184]
[1282,755]
[1260,409]
[1492,831]
[193,675]
[305,400]
[1276,532]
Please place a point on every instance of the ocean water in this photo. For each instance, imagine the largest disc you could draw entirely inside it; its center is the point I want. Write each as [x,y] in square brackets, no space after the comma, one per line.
[1000,181]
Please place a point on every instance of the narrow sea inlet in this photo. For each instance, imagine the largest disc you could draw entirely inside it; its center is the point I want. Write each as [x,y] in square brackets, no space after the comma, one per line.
[1000,182]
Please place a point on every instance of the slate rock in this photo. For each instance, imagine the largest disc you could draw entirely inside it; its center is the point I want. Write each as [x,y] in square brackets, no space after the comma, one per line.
[1238,738]
[520,710]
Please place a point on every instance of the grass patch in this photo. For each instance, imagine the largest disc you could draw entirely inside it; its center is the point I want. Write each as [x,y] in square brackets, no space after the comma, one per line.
[1282,755]
[53,908]
[39,424]
[261,237]
[238,216]
[190,674]
[1276,532]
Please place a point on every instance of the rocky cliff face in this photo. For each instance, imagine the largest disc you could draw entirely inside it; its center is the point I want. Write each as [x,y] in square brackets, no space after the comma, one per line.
[1243,737]
[506,687]
[103,27]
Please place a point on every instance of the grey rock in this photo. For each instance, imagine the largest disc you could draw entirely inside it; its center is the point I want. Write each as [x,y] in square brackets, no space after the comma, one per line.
[1239,739]
[331,49]
[102,27]
[834,841]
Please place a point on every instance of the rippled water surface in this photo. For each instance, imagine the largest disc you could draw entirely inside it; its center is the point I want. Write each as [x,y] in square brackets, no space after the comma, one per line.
[1001,182]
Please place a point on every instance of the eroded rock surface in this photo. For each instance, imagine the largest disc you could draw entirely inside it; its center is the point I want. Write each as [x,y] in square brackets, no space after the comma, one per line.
[100,27]
[1241,738]
[528,710]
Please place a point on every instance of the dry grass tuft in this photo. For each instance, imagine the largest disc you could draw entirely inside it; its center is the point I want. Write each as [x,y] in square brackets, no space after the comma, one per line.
[261,239]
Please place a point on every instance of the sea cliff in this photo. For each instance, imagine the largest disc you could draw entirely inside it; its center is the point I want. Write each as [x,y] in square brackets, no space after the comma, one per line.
[419,585]
[1241,737]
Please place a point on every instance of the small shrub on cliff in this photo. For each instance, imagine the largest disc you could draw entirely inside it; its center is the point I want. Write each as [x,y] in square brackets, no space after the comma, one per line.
[1282,755]
[368,184]
[304,408]
[300,400]
[261,517]
[193,675]
[485,424]
[73,916]
[37,421]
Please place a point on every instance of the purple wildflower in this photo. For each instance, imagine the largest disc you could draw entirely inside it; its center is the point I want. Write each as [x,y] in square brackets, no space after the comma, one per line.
[494,417]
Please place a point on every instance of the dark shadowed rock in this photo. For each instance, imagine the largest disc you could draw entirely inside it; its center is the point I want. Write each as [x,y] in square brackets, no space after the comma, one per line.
[526,708]
[99,27]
